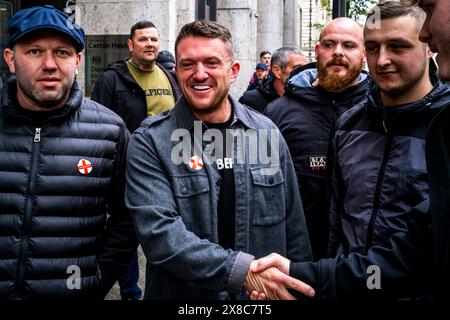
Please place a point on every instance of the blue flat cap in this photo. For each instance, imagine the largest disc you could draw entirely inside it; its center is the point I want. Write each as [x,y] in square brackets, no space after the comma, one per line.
[26,21]
[262,66]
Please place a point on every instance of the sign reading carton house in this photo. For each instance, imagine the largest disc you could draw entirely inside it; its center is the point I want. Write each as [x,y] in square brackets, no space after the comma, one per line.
[102,50]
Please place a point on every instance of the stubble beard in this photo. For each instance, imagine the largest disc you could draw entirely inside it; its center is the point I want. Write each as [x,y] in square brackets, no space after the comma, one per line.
[404,88]
[212,109]
[43,99]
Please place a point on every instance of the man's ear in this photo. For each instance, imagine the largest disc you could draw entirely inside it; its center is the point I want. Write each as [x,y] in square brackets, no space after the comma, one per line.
[8,55]
[429,52]
[276,71]
[130,45]
[235,68]
[316,49]
[78,59]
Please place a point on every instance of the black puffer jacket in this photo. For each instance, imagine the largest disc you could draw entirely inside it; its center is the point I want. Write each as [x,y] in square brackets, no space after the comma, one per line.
[53,218]
[306,117]
[117,90]
[380,171]
[260,97]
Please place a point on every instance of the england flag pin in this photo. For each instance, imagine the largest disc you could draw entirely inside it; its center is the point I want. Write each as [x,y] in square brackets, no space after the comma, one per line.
[196,163]
[84,166]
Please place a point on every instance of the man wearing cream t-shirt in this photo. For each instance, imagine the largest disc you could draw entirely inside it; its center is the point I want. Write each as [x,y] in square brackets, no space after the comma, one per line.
[157,88]
[139,87]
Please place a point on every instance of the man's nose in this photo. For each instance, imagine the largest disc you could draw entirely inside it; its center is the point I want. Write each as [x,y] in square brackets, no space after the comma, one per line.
[49,62]
[383,57]
[200,72]
[338,51]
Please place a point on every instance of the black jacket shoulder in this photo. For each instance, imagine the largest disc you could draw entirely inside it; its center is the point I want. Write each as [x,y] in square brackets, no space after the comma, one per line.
[260,97]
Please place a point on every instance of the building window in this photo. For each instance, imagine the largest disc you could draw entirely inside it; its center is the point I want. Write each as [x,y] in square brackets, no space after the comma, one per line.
[7,9]
[206,10]
[59,4]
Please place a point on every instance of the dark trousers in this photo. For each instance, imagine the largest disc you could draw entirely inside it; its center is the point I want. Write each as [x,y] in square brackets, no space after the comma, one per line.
[129,288]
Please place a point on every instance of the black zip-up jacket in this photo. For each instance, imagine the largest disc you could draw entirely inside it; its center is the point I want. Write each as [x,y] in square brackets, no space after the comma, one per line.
[380,171]
[261,96]
[402,266]
[306,117]
[59,179]
[438,166]
[413,260]
[117,90]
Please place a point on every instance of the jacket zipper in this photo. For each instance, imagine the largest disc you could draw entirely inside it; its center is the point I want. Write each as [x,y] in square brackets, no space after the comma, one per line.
[376,200]
[26,229]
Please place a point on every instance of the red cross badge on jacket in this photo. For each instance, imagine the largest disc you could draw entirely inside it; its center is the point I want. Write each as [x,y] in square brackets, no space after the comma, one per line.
[84,166]
[196,163]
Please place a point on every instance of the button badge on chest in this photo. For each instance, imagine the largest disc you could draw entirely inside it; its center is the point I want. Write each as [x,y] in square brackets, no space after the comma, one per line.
[84,166]
[195,163]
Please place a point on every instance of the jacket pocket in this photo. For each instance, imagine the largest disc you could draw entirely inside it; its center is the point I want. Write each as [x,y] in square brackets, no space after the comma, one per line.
[268,196]
[191,185]
[192,197]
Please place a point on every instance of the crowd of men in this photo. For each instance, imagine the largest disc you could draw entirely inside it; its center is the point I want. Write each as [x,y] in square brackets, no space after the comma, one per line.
[319,175]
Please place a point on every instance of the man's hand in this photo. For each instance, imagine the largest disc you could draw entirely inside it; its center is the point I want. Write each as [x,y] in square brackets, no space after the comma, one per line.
[273,279]
[272,284]
[272,260]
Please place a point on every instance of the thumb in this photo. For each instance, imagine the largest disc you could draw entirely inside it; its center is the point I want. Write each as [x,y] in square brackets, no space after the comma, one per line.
[262,264]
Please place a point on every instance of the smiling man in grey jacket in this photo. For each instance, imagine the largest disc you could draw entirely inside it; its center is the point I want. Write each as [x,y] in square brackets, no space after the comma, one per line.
[210,183]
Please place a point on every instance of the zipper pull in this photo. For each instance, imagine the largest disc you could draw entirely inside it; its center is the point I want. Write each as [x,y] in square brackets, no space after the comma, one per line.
[384,126]
[37,135]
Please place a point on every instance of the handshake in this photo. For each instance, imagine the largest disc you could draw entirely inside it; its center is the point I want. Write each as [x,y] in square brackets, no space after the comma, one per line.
[268,279]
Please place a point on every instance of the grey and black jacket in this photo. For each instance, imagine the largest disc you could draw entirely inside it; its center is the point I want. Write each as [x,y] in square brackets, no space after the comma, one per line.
[409,245]
[380,171]
[59,179]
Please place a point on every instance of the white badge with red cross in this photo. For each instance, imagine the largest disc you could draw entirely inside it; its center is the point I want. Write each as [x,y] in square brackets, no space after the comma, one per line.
[196,163]
[84,166]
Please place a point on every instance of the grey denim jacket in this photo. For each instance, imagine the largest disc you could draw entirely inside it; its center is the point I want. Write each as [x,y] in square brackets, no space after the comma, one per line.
[174,207]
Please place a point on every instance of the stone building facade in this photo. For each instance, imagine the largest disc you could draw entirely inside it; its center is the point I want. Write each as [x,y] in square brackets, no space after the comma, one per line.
[256,25]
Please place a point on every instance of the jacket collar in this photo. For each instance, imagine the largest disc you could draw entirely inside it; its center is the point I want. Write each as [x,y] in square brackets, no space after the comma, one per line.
[9,100]
[185,118]
[299,84]
[436,98]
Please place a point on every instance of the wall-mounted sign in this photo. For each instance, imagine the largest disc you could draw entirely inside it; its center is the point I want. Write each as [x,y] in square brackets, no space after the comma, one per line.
[102,50]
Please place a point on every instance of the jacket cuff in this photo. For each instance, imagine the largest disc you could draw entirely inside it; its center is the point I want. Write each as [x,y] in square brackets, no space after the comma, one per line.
[319,275]
[239,271]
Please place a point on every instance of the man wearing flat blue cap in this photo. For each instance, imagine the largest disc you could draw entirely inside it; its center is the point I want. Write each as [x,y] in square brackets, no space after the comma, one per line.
[64,230]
